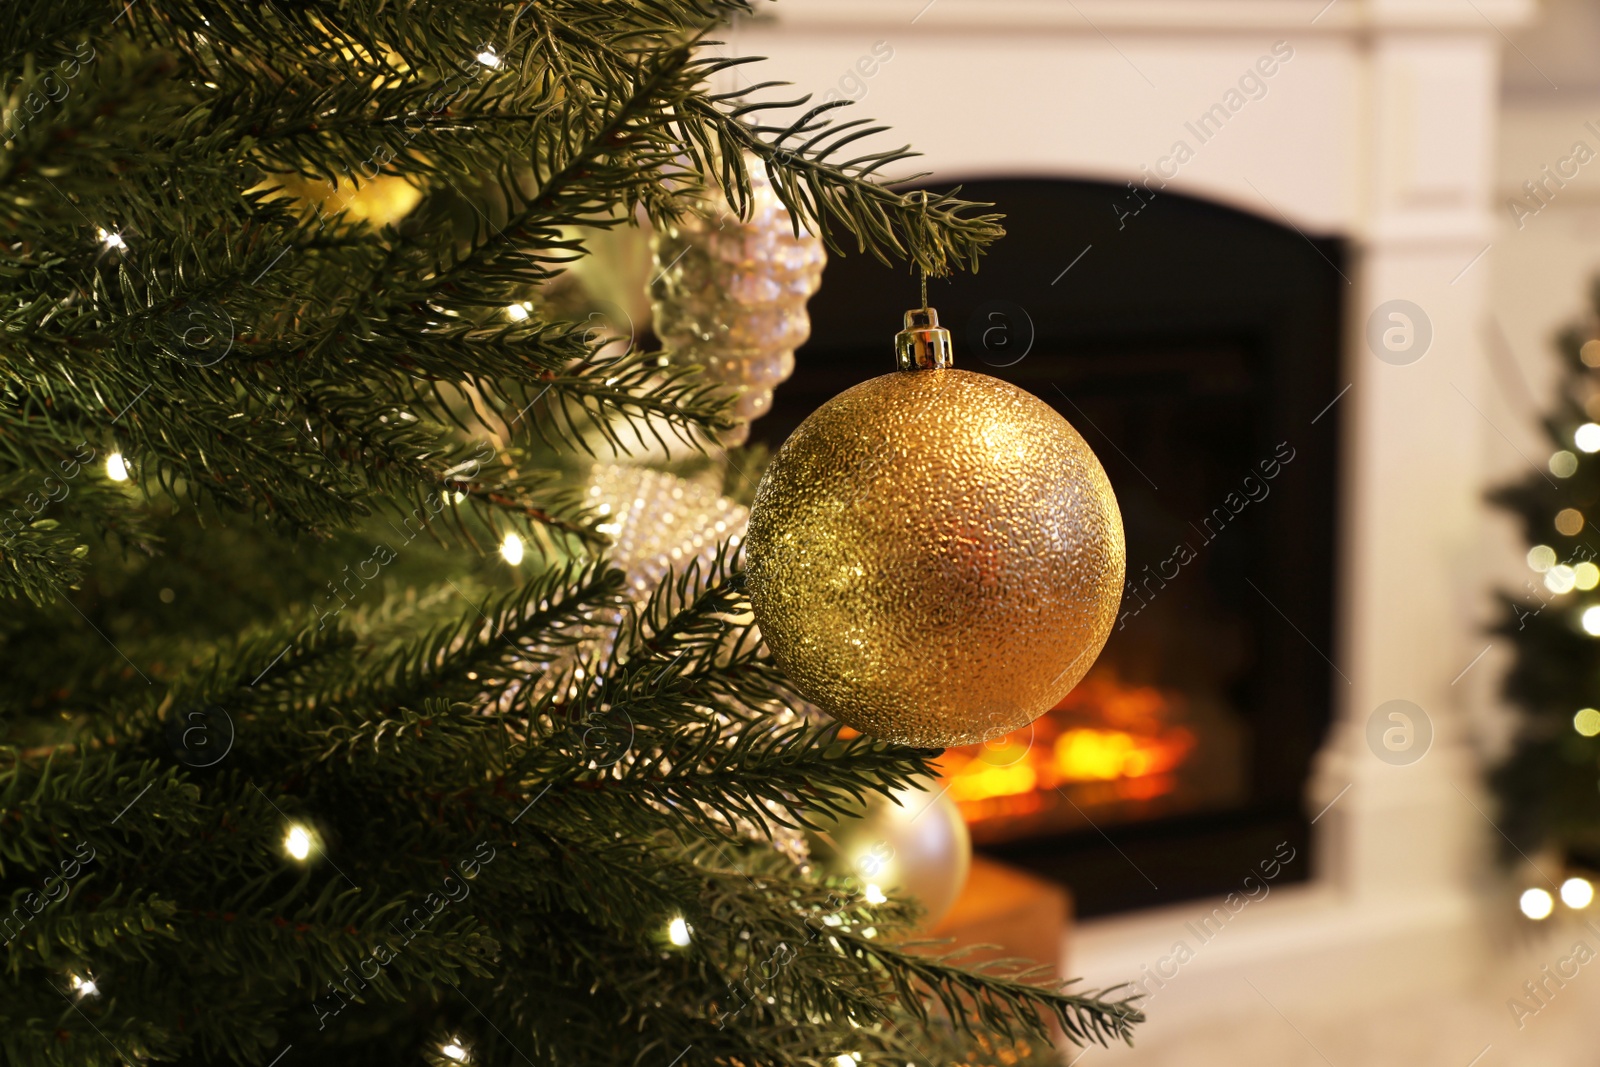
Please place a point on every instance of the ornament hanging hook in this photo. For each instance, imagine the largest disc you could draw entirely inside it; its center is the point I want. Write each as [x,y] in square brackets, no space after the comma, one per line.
[923,344]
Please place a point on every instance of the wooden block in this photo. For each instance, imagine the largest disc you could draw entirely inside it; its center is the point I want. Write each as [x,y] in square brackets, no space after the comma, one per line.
[1026,916]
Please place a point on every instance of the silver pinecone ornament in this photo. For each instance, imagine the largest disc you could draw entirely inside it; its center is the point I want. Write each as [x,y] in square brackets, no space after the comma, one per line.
[730,295]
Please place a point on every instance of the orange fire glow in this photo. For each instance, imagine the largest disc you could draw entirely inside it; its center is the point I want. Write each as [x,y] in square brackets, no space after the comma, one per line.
[1108,740]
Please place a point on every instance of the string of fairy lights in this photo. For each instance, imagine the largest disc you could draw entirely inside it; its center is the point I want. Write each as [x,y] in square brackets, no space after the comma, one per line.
[1561,578]
[300,841]
[1581,576]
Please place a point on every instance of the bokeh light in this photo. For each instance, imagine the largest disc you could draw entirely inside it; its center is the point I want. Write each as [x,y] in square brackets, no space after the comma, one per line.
[1537,904]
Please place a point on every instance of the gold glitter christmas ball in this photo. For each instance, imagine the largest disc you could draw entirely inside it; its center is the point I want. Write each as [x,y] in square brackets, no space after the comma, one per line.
[935,557]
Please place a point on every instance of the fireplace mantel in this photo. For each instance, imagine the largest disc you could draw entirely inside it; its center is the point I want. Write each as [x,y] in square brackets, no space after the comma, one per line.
[1379,129]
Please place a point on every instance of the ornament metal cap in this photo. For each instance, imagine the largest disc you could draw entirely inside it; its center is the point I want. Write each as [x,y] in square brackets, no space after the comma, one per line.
[923,344]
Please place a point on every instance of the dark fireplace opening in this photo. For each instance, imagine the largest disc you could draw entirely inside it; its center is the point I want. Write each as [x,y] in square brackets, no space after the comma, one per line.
[1196,349]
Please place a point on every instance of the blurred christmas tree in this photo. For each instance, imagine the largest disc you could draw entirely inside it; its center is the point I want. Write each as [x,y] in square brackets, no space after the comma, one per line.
[295,769]
[1550,785]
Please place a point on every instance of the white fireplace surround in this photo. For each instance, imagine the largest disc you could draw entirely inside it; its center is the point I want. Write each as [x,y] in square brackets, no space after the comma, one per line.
[1376,124]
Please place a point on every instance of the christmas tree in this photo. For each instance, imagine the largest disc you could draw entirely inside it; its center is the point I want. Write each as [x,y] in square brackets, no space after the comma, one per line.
[298,767]
[1549,786]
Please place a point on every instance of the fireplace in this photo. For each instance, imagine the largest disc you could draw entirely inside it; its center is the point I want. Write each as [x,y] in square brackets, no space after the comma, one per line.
[1195,348]
[1121,750]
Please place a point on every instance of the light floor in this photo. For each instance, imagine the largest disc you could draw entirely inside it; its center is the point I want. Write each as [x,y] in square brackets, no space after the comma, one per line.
[1472,1026]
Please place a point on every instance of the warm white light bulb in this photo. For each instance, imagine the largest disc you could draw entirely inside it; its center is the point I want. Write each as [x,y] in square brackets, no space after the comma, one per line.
[116,467]
[875,895]
[1537,904]
[1560,578]
[85,987]
[455,1052]
[1587,722]
[511,549]
[488,58]
[1587,437]
[678,932]
[516,312]
[111,240]
[297,842]
[1591,621]
[1577,892]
